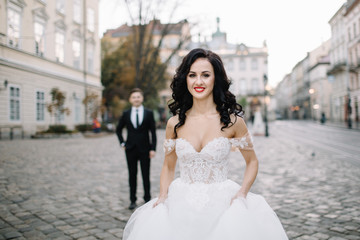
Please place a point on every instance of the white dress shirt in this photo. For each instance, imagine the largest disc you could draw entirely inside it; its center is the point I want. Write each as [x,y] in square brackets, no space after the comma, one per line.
[133,115]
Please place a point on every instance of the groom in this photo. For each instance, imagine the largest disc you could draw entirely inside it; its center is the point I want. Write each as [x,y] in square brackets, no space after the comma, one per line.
[139,122]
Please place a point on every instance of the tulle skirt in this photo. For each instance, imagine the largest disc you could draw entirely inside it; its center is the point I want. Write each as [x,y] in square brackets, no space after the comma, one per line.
[200,211]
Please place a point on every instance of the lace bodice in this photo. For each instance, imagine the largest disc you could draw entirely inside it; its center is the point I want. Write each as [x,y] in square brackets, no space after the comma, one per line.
[210,165]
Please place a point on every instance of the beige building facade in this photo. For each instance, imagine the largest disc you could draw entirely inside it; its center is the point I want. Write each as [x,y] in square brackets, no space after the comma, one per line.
[283,96]
[305,93]
[44,45]
[331,72]
[338,65]
[320,89]
[352,36]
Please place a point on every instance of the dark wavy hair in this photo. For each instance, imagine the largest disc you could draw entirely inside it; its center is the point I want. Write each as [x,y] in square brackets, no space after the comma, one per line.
[182,99]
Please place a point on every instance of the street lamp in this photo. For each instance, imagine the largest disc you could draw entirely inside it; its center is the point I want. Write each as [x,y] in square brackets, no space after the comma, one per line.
[265,115]
[349,110]
[311,92]
[5,83]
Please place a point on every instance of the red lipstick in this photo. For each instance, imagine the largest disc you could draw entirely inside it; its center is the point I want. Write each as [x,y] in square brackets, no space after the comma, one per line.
[199,89]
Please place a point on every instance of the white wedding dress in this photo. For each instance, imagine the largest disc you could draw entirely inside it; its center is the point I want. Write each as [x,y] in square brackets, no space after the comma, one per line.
[198,204]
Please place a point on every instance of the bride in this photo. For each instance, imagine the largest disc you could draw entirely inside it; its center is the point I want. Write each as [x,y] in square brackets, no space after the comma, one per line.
[202,204]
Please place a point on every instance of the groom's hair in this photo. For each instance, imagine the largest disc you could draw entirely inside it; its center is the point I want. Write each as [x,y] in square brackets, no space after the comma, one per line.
[134,90]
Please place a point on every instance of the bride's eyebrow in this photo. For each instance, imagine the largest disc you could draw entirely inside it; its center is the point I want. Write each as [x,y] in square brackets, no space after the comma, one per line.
[206,71]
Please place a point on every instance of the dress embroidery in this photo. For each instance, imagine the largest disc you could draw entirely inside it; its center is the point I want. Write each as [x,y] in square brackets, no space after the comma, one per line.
[210,165]
[243,143]
[199,201]
[169,146]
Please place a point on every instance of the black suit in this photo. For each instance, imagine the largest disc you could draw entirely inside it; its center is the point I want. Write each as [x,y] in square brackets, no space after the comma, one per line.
[137,147]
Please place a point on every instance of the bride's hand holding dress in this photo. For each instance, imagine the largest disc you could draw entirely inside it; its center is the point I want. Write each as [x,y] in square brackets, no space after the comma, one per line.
[168,169]
[248,153]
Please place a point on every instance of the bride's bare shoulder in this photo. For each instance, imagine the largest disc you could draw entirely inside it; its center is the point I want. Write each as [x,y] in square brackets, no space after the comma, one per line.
[239,127]
[171,123]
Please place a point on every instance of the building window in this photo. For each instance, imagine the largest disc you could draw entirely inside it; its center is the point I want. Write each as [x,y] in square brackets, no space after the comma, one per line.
[230,64]
[354,29]
[254,86]
[39,29]
[40,106]
[243,87]
[60,6]
[163,58]
[13,28]
[233,86]
[60,116]
[59,46]
[90,58]
[174,61]
[254,64]
[242,64]
[349,34]
[77,11]
[90,19]
[77,109]
[14,103]
[76,53]
[174,42]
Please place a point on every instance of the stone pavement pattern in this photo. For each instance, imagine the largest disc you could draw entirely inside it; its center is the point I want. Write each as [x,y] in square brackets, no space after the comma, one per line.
[77,188]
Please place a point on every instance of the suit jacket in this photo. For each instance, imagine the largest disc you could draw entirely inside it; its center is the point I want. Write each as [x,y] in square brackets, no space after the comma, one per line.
[138,137]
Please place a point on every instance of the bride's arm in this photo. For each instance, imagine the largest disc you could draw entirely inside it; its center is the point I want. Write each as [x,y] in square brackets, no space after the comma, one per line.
[168,169]
[252,163]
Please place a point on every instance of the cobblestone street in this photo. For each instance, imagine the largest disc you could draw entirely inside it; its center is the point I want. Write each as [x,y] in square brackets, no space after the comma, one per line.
[77,188]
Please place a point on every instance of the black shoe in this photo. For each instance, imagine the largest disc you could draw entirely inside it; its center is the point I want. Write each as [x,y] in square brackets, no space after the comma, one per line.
[132,206]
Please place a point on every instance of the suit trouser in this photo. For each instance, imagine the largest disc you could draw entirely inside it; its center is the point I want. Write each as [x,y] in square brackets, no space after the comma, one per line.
[132,157]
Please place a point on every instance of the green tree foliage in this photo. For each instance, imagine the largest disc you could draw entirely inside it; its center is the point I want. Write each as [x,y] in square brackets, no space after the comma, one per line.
[56,106]
[93,104]
[139,60]
[243,102]
[118,74]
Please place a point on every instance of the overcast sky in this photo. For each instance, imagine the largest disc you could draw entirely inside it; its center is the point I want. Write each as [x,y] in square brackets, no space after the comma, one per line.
[291,28]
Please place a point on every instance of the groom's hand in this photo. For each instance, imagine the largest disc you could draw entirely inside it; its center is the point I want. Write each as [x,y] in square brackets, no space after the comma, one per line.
[152,154]
[123,145]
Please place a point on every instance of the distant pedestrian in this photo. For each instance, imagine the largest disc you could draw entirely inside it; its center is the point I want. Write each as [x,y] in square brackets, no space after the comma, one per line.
[258,127]
[139,123]
[96,126]
[323,118]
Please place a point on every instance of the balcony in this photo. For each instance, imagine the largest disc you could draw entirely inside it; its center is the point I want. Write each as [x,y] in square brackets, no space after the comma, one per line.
[336,68]
[355,67]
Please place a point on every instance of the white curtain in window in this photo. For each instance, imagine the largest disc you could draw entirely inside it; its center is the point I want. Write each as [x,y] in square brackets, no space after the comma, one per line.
[59,46]
[13,27]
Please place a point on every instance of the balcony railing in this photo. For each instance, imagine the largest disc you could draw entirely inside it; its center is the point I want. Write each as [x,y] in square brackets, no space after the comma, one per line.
[337,67]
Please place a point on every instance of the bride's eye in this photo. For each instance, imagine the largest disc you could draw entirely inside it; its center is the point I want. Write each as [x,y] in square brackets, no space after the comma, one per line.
[206,75]
[191,75]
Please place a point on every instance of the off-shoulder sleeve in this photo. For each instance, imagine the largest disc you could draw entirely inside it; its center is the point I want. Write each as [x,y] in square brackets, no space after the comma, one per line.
[169,146]
[243,143]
